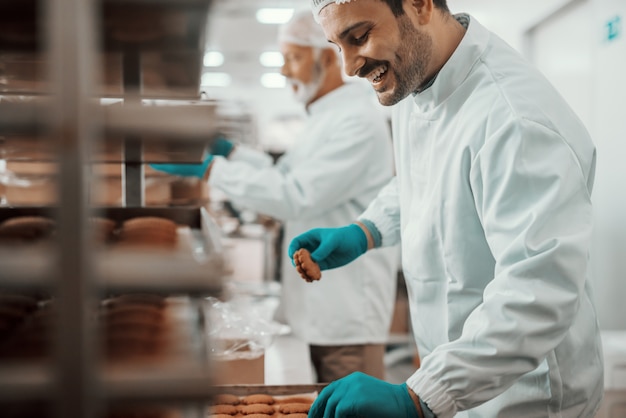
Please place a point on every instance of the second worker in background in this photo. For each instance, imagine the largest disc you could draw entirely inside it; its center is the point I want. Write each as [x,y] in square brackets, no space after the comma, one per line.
[338,164]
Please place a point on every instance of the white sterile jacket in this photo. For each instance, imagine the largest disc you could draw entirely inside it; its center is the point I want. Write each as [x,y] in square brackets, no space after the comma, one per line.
[492,206]
[338,164]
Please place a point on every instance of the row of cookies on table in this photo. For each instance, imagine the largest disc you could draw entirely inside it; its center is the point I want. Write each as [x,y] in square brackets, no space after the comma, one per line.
[260,405]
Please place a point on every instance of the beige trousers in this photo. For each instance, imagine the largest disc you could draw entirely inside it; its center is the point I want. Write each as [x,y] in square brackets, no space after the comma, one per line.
[334,362]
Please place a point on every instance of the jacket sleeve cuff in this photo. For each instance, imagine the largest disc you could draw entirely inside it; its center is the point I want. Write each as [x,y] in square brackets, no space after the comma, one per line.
[383,227]
[433,394]
[374,232]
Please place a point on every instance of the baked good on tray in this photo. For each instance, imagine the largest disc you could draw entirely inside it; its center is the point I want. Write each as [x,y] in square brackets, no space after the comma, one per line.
[149,231]
[26,229]
[256,408]
[258,398]
[294,408]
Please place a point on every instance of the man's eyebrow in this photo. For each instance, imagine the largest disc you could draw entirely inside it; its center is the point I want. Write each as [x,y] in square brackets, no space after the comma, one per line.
[349,29]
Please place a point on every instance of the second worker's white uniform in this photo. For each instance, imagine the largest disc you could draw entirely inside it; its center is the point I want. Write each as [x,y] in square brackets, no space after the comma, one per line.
[338,164]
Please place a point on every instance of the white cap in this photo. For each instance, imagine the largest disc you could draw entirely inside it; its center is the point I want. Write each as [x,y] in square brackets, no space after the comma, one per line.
[303,30]
[318,5]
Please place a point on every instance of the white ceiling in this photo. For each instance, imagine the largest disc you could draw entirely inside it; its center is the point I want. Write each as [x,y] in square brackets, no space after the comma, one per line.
[234,30]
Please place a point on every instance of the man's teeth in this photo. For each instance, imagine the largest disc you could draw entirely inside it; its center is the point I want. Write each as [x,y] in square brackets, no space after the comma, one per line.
[375,75]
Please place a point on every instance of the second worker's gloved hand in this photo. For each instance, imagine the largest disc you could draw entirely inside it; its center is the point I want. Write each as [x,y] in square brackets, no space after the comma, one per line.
[331,247]
[222,147]
[185,170]
[363,396]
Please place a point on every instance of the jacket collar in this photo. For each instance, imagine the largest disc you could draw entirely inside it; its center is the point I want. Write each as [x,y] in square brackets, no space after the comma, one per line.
[456,70]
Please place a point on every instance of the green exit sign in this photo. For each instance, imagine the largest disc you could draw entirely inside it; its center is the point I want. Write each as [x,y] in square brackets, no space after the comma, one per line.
[613,28]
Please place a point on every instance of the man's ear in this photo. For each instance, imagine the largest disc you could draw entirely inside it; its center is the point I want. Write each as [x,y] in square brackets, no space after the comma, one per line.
[423,10]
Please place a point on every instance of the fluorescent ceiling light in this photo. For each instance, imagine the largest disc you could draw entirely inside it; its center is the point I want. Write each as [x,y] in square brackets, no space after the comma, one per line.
[271,59]
[213,59]
[274,16]
[215,80]
[273,80]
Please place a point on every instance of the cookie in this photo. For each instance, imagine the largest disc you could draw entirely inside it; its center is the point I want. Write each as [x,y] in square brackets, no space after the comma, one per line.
[298,415]
[257,408]
[149,222]
[226,399]
[149,231]
[295,399]
[220,416]
[27,228]
[258,416]
[224,409]
[258,398]
[308,269]
[294,408]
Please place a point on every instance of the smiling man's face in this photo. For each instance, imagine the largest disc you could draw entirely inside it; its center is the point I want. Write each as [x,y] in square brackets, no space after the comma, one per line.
[389,51]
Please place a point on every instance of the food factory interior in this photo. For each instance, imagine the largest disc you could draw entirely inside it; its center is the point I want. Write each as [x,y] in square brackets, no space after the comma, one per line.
[323,208]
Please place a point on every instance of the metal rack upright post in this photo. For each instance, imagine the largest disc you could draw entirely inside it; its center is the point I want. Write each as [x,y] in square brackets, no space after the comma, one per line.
[67,119]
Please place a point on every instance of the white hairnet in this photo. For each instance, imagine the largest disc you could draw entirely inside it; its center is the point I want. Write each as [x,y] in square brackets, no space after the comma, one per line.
[318,5]
[302,29]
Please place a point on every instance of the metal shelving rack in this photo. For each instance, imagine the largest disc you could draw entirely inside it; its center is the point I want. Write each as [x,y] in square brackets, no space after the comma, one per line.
[70,34]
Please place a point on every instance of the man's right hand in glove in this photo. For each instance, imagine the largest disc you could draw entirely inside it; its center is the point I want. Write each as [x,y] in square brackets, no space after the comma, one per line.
[331,247]
[363,396]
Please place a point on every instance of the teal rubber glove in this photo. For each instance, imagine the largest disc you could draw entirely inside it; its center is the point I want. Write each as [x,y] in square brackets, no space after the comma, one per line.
[363,396]
[222,147]
[331,247]
[185,170]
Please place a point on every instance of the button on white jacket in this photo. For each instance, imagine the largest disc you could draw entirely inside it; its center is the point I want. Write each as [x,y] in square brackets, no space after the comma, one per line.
[492,205]
[337,165]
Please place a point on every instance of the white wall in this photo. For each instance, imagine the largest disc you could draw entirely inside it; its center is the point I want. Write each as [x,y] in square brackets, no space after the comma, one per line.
[609,128]
[573,50]
[563,47]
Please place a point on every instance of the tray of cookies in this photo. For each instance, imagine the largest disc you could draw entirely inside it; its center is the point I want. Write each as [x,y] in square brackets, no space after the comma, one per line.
[161,248]
[149,345]
[263,401]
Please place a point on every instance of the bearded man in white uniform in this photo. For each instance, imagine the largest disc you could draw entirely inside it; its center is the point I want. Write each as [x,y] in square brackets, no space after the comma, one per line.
[345,319]
[491,204]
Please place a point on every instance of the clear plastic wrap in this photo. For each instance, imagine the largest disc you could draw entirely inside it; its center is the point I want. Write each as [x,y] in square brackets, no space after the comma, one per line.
[240,328]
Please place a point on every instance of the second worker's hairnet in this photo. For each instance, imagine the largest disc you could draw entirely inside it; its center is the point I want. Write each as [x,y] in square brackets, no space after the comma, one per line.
[302,29]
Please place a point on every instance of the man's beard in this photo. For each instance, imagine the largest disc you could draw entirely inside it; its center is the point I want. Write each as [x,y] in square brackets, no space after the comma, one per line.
[409,67]
[305,92]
